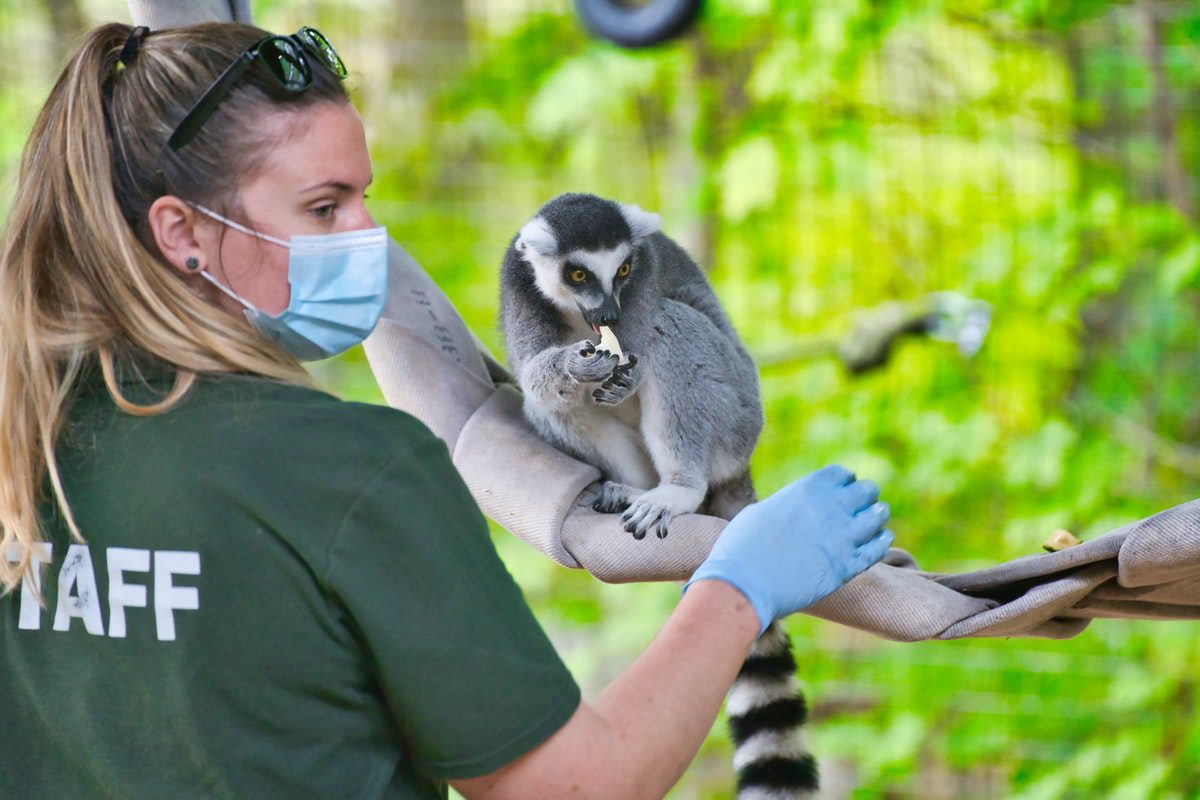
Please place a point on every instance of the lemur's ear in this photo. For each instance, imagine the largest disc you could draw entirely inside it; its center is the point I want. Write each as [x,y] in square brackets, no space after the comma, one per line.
[641,223]
[536,235]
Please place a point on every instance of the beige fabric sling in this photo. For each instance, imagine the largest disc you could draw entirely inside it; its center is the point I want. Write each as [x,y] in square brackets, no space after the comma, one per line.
[159,14]
[428,364]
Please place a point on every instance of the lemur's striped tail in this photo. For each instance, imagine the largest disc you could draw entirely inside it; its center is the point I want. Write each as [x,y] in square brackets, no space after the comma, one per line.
[766,711]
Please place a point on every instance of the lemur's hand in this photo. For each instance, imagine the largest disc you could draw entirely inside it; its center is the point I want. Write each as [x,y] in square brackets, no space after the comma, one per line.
[620,384]
[586,364]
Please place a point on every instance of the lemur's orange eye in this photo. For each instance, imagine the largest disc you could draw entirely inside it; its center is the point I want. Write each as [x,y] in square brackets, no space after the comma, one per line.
[623,270]
[578,275]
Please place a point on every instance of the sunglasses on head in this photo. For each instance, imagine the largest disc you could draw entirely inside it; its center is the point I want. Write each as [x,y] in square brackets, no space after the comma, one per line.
[282,57]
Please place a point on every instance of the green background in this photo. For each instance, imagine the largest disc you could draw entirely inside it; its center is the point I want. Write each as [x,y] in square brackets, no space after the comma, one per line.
[819,159]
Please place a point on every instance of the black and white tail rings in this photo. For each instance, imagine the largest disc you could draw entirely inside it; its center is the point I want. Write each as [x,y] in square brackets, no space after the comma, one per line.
[766,711]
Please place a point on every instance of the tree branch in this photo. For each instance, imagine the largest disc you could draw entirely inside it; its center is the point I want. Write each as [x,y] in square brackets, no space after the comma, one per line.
[868,345]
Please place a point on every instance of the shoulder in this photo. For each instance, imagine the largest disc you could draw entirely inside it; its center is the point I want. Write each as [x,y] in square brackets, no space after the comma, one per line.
[276,401]
[297,428]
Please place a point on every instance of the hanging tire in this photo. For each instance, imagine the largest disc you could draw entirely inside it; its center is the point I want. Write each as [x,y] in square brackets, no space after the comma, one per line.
[637,26]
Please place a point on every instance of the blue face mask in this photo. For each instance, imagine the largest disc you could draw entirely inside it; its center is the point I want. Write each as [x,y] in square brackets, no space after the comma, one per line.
[339,282]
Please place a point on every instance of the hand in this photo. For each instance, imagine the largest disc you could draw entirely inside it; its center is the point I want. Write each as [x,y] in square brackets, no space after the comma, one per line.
[586,364]
[620,384]
[801,543]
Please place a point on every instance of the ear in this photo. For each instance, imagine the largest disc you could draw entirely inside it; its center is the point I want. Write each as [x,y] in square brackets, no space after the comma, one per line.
[641,223]
[536,235]
[178,235]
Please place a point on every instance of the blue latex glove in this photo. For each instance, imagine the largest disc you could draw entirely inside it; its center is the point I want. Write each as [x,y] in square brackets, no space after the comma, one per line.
[801,543]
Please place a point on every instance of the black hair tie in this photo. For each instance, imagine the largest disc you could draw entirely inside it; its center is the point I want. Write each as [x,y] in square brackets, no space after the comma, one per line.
[129,51]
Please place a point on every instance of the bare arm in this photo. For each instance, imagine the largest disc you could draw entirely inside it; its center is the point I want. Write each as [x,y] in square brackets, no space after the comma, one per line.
[646,726]
[775,557]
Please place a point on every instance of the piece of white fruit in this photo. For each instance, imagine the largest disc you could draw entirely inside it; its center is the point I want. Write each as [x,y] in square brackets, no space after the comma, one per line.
[608,341]
[1060,540]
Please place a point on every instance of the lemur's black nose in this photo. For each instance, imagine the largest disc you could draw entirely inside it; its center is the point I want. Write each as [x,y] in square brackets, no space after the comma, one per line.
[608,313]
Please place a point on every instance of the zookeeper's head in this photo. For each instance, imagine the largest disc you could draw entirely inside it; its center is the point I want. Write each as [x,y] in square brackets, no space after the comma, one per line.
[193,195]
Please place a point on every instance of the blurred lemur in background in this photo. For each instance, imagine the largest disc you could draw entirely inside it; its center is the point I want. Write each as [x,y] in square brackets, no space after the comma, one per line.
[671,426]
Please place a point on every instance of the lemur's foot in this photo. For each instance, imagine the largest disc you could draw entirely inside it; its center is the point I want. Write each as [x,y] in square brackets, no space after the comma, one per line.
[615,497]
[654,509]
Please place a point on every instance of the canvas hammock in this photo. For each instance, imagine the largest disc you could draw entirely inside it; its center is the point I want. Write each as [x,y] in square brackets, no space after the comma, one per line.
[428,364]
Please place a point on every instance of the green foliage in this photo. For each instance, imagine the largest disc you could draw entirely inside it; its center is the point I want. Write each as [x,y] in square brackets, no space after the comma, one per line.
[817,159]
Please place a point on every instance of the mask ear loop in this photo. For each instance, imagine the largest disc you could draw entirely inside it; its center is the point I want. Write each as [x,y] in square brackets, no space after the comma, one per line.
[239,226]
[204,273]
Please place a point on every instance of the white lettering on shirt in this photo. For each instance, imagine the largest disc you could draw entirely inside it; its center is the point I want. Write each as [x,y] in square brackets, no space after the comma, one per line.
[79,597]
[31,611]
[123,595]
[167,596]
[77,574]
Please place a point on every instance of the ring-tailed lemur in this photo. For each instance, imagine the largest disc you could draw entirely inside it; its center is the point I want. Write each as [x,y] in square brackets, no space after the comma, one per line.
[671,430]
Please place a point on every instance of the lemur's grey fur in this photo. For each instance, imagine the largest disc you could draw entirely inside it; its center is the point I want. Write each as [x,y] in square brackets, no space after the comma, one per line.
[680,422]
[671,432]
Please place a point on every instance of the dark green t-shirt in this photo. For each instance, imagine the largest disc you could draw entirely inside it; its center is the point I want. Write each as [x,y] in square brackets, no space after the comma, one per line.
[281,595]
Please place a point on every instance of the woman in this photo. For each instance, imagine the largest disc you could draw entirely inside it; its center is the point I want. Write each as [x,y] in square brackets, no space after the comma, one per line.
[222,582]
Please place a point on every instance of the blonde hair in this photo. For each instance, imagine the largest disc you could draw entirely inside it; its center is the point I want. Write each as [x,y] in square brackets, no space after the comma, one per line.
[81,278]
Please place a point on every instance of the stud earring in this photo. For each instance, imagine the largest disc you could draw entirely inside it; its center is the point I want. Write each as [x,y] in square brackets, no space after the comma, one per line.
[192,263]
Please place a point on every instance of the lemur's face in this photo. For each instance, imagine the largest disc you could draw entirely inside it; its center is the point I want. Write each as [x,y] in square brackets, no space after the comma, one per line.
[588,282]
[582,250]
